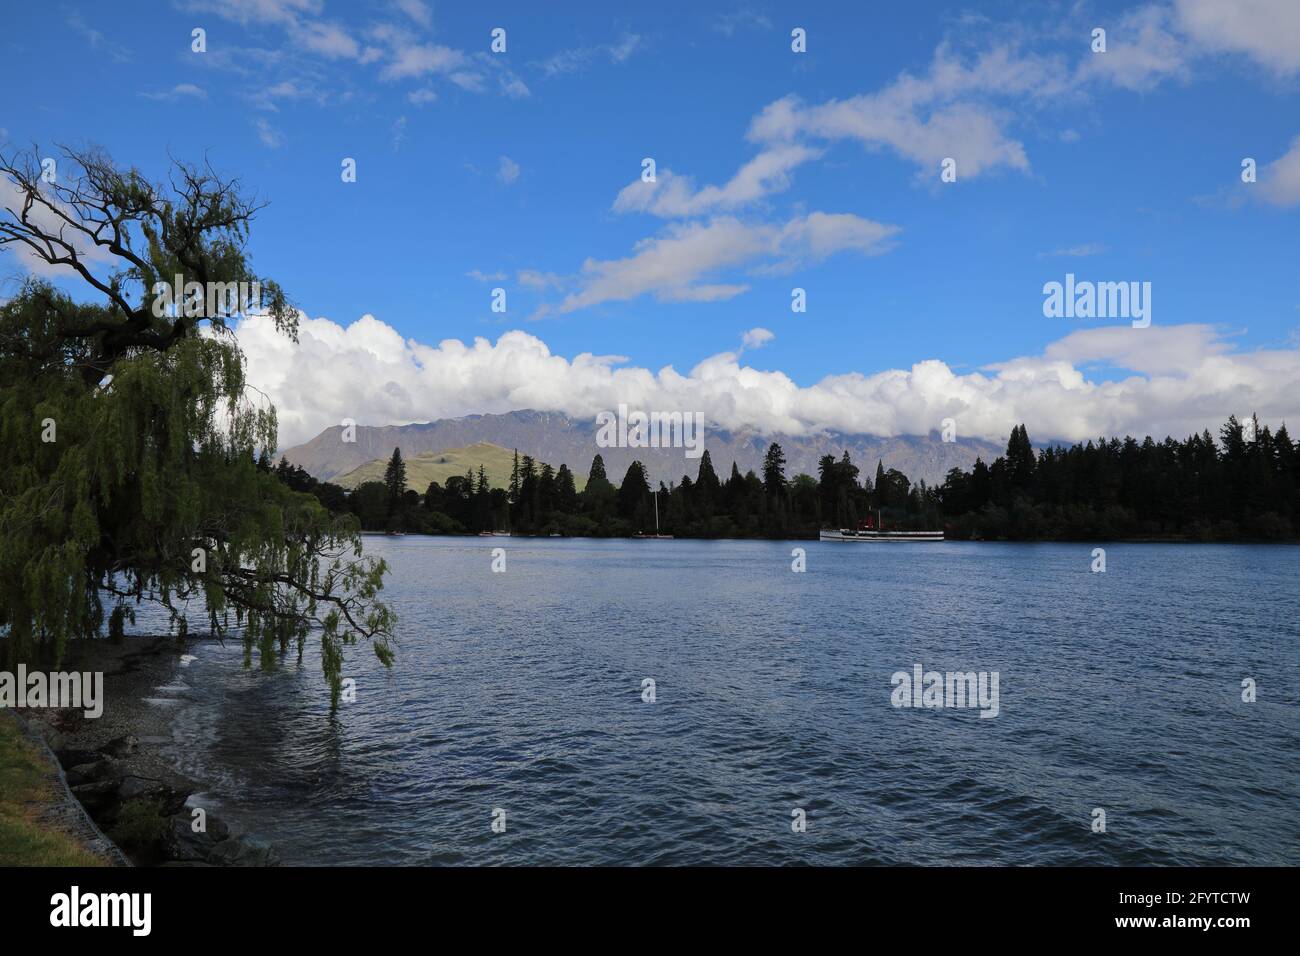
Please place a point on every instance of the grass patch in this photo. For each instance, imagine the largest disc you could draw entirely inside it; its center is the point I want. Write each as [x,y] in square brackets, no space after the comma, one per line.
[27,786]
[440,465]
[139,826]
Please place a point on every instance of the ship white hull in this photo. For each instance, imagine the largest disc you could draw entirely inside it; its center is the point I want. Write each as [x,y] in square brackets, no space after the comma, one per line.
[895,536]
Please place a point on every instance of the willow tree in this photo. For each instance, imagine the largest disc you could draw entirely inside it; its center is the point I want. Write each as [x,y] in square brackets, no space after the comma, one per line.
[129,434]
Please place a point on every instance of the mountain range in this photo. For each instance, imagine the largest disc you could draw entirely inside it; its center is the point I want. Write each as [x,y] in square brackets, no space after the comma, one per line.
[558,438]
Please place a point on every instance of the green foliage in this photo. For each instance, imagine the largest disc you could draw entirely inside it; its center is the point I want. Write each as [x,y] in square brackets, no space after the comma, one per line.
[395,478]
[28,791]
[1243,487]
[139,826]
[151,487]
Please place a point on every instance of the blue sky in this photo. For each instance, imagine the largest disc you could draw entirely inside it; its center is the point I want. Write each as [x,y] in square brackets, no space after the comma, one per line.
[478,170]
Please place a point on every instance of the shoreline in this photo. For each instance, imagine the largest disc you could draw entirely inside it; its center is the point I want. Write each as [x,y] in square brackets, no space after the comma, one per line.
[113,767]
[1158,539]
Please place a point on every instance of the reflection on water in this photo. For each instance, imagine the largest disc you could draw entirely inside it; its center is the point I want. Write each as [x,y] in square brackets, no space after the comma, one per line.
[522,691]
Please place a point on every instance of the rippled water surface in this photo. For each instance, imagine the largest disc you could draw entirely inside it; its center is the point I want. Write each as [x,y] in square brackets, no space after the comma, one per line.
[522,691]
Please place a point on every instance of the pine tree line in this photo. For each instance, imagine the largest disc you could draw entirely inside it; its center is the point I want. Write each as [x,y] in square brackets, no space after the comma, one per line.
[1246,486]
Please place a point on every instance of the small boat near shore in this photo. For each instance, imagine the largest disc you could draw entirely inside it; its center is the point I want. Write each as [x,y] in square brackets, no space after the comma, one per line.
[656,535]
[875,531]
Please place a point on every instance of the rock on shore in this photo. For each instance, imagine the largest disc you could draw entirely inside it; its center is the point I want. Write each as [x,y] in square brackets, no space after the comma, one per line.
[135,796]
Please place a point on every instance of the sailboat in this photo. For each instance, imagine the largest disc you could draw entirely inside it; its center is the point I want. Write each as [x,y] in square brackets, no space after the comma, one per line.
[656,534]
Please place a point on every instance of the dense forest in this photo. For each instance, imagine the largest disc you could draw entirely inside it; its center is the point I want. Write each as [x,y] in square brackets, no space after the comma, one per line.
[1245,486]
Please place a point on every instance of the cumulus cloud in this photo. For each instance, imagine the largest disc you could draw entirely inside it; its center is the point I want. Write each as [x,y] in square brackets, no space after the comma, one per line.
[1268,31]
[1175,380]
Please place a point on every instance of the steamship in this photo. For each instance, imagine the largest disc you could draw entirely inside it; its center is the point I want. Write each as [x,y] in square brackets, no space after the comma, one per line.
[875,531]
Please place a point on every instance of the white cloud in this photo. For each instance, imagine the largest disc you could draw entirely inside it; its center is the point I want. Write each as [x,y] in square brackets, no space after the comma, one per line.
[98,41]
[258,11]
[756,338]
[672,195]
[92,255]
[422,59]
[330,40]
[268,134]
[176,92]
[1079,251]
[468,80]
[1141,51]
[266,97]
[729,23]
[950,111]
[513,87]
[579,58]
[536,279]
[671,266]
[1183,379]
[417,10]
[507,170]
[1268,31]
[1279,181]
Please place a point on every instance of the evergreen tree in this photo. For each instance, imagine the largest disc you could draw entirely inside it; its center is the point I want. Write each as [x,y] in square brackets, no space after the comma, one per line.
[395,479]
[545,494]
[526,509]
[707,487]
[774,471]
[1020,459]
[566,494]
[634,495]
[599,499]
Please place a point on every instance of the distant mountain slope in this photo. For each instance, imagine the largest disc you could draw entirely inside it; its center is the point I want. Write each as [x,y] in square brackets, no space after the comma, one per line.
[557,438]
[440,465]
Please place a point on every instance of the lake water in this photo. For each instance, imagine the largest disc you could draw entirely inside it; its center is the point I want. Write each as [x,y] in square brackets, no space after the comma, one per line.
[523,691]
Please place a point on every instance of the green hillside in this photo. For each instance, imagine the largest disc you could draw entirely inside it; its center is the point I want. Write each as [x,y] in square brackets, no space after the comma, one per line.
[440,465]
